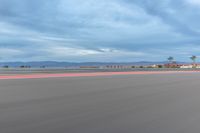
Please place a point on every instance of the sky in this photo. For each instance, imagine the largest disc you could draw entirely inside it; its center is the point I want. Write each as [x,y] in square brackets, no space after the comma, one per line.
[99,30]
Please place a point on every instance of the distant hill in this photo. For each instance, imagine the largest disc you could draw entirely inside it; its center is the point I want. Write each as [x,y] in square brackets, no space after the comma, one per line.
[74,64]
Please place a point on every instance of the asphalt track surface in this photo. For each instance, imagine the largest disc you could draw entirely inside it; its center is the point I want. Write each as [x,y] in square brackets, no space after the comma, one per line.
[136,103]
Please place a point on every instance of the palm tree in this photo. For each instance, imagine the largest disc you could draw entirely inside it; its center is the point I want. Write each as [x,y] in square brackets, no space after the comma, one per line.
[193,58]
[170,59]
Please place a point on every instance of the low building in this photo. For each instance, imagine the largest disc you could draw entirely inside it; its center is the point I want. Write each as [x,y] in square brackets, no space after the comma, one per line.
[196,65]
[116,67]
[153,66]
[186,66]
[172,65]
[89,67]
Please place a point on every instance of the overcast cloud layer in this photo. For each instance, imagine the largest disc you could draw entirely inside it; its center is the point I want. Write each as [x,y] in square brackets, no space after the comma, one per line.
[99,30]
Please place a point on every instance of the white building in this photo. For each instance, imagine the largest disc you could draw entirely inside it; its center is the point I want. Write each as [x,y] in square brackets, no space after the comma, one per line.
[116,67]
[186,66]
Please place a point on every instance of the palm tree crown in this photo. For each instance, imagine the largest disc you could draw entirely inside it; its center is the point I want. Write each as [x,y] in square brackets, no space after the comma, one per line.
[170,59]
[193,58]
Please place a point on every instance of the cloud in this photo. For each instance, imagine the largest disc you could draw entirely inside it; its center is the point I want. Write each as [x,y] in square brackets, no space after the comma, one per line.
[96,29]
[193,2]
[9,54]
[170,12]
[83,54]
